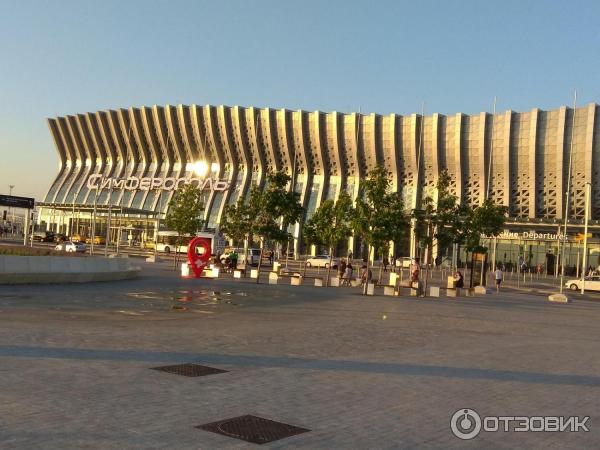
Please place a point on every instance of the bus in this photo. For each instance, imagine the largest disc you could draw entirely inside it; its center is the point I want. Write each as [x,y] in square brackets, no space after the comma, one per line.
[166,242]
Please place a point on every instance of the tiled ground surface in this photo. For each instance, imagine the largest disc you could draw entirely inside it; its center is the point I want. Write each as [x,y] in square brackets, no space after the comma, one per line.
[358,372]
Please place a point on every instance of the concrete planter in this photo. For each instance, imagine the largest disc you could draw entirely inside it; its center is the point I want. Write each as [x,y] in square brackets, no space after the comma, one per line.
[370,289]
[185,269]
[559,298]
[273,278]
[389,290]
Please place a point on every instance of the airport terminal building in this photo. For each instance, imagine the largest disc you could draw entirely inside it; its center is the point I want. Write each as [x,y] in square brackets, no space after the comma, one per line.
[129,162]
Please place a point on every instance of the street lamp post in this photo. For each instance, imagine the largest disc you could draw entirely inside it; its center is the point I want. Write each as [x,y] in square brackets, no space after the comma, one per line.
[108,219]
[588,195]
[568,197]
[94,222]
[12,212]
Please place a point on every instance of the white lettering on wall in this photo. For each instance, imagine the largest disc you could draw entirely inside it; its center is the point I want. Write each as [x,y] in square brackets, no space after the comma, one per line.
[97,181]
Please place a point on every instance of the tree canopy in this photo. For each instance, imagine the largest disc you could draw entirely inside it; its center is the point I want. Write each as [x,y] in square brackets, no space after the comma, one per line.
[380,215]
[330,225]
[184,214]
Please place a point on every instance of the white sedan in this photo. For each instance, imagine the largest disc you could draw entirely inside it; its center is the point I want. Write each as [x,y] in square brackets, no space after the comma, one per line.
[321,261]
[591,283]
[71,247]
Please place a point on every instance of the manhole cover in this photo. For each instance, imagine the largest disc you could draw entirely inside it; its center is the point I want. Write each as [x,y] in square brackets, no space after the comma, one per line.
[253,429]
[190,370]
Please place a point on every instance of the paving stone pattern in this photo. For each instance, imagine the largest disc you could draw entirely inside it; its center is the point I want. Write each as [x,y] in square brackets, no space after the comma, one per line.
[358,372]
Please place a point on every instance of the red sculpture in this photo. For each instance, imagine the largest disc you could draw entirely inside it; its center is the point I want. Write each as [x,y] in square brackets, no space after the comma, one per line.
[198,260]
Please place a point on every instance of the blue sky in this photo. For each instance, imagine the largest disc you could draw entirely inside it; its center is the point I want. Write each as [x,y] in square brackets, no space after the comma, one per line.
[63,57]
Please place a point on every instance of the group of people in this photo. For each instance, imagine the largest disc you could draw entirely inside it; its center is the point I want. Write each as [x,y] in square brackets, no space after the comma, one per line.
[459,280]
[346,271]
[230,262]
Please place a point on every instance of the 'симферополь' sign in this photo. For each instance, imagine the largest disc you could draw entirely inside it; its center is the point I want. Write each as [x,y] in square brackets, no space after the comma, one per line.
[98,181]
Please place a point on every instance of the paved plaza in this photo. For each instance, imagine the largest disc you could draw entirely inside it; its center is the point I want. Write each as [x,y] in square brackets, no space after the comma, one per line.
[358,372]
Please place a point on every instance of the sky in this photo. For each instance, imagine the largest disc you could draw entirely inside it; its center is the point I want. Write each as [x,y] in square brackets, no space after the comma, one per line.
[66,57]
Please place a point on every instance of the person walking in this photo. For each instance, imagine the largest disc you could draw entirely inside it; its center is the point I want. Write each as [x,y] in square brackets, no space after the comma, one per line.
[341,270]
[386,263]
[347,275]
[365,275]
[498,275]
[234,260]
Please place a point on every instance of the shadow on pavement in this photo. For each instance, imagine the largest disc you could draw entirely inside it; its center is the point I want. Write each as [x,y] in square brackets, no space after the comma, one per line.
[300,363]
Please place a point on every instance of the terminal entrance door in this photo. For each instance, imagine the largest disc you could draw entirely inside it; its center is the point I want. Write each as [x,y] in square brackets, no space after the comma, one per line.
[551,263]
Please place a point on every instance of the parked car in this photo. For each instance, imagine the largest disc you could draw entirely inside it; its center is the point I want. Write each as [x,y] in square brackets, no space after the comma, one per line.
[321,261]
[78,238]
[592,283]
[71,247]
[43,236]
[98,240]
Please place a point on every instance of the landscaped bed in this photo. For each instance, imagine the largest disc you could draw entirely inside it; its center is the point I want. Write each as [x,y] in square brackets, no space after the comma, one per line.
[16,250]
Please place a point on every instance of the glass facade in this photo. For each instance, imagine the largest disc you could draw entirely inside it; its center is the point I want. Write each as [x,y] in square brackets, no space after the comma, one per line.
[545,253]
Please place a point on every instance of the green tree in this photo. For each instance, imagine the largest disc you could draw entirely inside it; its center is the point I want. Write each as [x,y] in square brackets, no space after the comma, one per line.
[436,220]
[184,214]
[272,210]
[330,225]
[488,219]
[379,214]
[236,224]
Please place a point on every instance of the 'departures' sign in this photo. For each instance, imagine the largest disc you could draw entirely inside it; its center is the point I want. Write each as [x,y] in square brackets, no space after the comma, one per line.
[527,235]
[98,181]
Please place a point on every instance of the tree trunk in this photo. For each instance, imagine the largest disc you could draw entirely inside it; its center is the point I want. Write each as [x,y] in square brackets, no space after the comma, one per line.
[428,250]
[367,270]
[380,268]
[246,244]
[262,246]
[175,255]
[329,268]
[287,252]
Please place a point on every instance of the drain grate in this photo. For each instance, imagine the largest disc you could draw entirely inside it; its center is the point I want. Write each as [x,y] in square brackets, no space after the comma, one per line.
[190,370]
[253,429]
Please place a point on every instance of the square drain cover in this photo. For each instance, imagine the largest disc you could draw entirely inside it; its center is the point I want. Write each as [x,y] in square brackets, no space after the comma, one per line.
[253,429]
[189,370]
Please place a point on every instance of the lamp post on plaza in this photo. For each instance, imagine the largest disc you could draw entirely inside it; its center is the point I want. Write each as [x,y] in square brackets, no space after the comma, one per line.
[493,241]
[588,195]
[108,217]
[564,236]
[157,223]
[12,212]
[94,221]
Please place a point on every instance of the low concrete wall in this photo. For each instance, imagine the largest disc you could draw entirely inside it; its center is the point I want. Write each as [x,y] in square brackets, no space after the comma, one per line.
[59,269]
